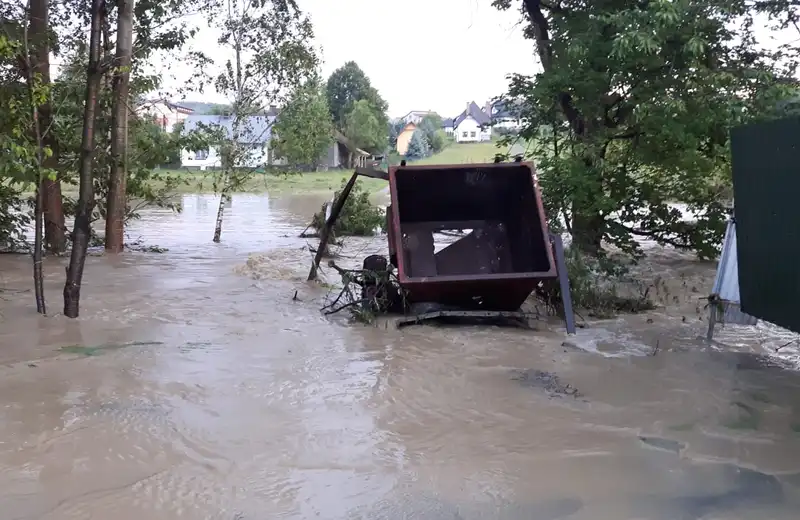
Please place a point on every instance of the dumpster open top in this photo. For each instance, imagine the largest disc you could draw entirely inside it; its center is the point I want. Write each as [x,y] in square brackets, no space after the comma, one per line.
[506,251]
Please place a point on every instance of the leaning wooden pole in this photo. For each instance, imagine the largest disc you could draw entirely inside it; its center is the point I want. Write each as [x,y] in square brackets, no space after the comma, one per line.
[326,231]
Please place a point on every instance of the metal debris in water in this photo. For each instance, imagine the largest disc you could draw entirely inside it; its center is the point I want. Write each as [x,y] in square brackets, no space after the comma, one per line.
[546,381]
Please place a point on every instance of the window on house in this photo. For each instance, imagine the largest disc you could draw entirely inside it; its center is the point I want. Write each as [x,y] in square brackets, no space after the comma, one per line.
[200,155]
[472,134]
[464,134]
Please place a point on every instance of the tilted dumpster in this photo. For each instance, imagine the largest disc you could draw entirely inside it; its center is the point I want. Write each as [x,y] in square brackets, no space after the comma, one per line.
[502,258]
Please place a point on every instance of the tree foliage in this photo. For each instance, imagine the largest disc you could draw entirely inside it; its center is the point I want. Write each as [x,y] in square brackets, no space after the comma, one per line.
[17,148]
[431,126]
[395,127]
[418,146]
[641,97]
[304,129]
[365,127]
[359,216]
[148,146]
[347,85]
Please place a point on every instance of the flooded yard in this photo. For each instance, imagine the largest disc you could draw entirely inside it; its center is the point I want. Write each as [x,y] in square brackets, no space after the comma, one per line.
[196,385]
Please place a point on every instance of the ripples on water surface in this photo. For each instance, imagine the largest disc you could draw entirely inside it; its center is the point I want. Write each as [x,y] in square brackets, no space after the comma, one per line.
[227,398]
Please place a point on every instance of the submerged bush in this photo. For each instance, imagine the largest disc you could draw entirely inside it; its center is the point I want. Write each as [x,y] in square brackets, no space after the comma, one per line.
[359,217]
[599,286]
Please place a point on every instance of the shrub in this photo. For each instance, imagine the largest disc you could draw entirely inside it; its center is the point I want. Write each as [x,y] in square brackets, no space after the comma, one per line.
[600,286]
[359,217]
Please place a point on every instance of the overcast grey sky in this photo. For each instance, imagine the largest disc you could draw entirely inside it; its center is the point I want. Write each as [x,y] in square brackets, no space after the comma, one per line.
[420,54]
[424,54]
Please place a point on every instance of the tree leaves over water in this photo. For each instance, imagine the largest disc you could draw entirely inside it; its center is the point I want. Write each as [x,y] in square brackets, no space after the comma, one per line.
[634,106]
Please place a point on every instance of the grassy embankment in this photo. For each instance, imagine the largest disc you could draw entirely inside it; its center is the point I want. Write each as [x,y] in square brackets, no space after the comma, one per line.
[315,182]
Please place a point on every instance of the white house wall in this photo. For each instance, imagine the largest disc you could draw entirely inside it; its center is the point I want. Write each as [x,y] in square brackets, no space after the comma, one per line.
[257,156]
[469,131]
[196,160]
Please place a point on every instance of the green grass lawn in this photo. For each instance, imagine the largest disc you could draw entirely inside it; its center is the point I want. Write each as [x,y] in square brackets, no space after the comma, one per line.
[464,153]
[322,182]
[312,182]
[316,182]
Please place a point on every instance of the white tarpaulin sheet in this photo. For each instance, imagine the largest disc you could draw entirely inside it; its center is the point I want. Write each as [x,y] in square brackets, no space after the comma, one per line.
[726,283]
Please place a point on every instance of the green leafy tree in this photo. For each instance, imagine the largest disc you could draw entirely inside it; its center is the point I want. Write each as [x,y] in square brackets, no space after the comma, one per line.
[365,127]
[395,127]
[304,129]
[418,146]
[431,126]
[641,97]
[347,85]
[148,146]
[16,165]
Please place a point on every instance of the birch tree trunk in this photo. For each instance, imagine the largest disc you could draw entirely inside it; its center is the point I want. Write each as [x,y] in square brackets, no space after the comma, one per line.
[83,212]
[220,211]
[230,153]
[116,204]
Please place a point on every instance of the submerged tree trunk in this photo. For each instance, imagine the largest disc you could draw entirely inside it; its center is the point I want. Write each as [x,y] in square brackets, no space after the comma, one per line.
[83,213]
[116,204]
[51,204]
[223,200]
[587,230]
[38,275]
[588,224]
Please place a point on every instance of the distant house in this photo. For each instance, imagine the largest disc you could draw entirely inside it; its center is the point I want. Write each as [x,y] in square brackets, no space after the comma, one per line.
[343,154]
[505,114]
[447,126]
[473,125]
[404,137]
[165,114]
[416,116]
[254,134]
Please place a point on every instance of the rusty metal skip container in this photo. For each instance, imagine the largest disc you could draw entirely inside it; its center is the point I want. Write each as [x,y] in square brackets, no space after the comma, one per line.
[498,263]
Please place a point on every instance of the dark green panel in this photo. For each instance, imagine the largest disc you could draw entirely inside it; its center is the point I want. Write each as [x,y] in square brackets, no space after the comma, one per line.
[766,187]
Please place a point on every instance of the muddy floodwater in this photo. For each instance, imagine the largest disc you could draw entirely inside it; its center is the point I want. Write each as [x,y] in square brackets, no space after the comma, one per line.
[196,385]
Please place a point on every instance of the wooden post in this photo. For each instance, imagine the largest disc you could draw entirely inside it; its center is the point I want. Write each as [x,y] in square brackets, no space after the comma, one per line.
[326,231]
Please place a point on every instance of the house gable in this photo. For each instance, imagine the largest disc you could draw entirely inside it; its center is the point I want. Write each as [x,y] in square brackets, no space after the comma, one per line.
[475,112]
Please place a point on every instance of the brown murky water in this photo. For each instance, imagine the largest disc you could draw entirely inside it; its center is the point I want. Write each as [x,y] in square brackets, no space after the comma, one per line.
[195,386]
